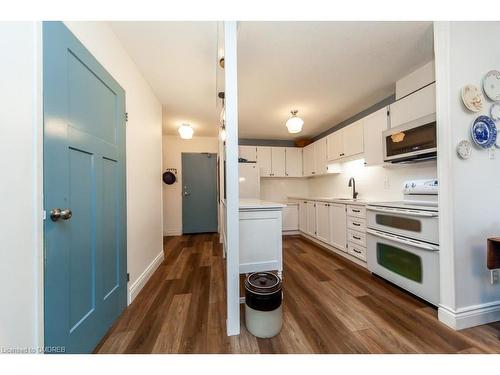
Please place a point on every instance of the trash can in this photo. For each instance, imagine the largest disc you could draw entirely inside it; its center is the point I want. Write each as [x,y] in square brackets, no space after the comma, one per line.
[263,310]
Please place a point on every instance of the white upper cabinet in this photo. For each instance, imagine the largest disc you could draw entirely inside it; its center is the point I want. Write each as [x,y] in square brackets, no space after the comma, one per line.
[374,125]
[248,152]
[293,162]
[414,106]
[352,139]
[278,161]
[264,161]
[320,164]
[308,160]
[345,142]
[334,146]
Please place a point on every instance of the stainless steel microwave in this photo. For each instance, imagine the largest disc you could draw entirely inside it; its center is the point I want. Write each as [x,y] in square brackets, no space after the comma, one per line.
[413,141]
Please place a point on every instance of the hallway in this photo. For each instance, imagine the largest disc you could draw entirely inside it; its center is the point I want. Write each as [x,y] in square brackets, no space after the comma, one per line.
[331,306]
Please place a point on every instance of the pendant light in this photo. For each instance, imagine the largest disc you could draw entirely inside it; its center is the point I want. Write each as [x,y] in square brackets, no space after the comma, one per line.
[186,131]
[294,123]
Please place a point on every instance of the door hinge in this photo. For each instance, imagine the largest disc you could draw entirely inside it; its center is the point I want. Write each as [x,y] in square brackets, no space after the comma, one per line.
[126,116]
[128,277]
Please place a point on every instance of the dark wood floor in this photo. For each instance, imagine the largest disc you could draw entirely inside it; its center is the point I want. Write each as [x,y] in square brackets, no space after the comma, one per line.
[330,306]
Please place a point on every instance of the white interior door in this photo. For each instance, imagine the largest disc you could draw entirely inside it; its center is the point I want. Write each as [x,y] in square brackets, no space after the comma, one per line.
[278,161]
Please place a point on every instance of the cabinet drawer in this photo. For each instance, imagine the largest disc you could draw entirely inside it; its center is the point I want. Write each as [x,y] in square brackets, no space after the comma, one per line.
[356,223]
[356,237]
[358,211]
[356,250]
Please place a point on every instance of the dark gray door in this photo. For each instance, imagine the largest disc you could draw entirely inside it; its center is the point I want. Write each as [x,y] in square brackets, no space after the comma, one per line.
[199,192]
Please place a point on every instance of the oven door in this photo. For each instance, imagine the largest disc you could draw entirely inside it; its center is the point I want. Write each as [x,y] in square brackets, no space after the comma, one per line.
[410,264]
[417,224]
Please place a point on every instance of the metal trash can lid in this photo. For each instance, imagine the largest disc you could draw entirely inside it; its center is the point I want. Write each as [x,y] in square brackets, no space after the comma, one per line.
[263,283]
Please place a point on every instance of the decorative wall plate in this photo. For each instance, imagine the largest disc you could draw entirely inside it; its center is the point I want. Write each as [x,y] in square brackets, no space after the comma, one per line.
[464,149]
[472,97]
[484,132]
[491,85]
[495,112]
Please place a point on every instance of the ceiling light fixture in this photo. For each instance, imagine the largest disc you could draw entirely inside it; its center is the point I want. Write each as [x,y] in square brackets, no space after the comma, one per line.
[294,123]
[186,131]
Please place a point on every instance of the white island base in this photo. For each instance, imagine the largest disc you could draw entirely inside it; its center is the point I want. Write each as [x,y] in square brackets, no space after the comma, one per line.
[260,236]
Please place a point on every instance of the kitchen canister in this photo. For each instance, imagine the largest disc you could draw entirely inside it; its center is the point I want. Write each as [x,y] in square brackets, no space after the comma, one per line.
[263,304]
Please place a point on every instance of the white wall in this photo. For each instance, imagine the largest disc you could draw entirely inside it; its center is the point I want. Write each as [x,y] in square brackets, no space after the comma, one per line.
[279,189]
[144,147]
[372,183]
[471,214]
[173,147]
[20,188]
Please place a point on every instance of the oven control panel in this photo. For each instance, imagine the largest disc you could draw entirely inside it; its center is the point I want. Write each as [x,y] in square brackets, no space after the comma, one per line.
[421,187]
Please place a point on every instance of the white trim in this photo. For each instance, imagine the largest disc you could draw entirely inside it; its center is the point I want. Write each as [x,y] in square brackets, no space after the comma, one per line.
[290,232]
[138,284]
[172,232]
[232,175]
[446,155]
[469,316]
[335,250]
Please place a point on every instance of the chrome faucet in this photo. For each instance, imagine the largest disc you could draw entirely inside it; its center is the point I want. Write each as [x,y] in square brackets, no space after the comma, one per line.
[352,183]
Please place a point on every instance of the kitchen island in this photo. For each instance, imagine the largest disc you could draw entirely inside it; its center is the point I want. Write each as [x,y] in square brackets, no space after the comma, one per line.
[260,236]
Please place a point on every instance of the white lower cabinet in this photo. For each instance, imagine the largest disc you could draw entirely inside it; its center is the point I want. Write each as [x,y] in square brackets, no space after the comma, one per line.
[303,216]
[291,217]
[323,221]
[338,233]
[311,218]
[340,225]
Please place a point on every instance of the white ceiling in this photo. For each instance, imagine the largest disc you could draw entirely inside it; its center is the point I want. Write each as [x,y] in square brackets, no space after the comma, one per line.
[178,59]
[329,71]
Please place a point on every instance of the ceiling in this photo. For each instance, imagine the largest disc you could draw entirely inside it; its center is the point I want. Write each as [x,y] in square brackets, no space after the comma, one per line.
[329,71]
[178,59]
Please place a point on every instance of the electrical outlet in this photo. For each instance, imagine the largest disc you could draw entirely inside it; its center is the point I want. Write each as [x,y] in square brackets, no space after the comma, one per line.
[495,276]
[491,153]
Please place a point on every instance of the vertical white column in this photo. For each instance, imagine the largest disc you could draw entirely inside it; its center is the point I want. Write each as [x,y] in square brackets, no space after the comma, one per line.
[232,185]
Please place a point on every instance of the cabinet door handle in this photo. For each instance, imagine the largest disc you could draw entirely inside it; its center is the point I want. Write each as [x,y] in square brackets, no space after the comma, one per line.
[356,237]
[356,224]
[353,210]
[356,251]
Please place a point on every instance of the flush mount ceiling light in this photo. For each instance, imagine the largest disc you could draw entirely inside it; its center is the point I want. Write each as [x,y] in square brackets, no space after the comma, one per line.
[294,123]
[186,131]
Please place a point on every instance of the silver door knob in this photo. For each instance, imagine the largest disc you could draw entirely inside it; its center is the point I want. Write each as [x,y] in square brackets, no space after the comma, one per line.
[58,214]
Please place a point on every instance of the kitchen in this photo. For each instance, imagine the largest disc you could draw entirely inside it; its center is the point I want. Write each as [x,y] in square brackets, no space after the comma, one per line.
[345,173]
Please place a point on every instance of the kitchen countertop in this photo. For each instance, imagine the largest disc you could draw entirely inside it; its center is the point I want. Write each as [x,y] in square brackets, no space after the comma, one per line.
[359,202]
[249,204]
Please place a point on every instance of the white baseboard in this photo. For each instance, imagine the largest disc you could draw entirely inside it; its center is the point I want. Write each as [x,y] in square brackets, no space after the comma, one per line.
[137,286]
[290,232]
[470,316]
[172,232]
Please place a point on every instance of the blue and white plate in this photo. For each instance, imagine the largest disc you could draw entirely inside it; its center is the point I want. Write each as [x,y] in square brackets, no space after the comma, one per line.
[484,132]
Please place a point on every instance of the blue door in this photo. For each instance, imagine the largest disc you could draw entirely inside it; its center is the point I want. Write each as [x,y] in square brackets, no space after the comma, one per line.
[84,194]
[199,193]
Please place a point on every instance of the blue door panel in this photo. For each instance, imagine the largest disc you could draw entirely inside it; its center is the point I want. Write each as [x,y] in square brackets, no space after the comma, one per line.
[199,184]
[84,170]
